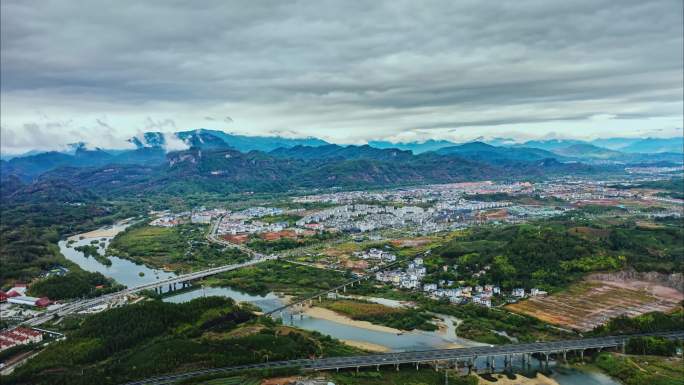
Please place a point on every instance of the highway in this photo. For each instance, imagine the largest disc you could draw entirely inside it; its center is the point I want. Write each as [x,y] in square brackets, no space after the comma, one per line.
[76,306]
[73,307]
[416,357]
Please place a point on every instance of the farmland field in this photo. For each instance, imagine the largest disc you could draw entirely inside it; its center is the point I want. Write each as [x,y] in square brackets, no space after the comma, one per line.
[590,303]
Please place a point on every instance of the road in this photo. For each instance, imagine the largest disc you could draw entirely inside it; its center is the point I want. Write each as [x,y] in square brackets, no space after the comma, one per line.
[427,356]
[213,237]
[76,306]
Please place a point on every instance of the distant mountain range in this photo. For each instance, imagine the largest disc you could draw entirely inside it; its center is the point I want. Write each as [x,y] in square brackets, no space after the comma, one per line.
[208,160]
[227,171]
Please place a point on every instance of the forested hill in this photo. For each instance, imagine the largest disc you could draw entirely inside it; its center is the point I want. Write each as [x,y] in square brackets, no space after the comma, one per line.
[226,170]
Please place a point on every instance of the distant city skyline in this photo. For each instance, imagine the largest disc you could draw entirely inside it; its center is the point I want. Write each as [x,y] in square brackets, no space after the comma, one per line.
[347,73]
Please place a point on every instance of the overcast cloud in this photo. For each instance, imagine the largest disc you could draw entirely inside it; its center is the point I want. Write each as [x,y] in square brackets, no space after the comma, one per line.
[344,71]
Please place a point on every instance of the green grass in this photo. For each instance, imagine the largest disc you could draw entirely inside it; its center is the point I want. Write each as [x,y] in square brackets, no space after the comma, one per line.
[639,370]
[179,248]
[404,319]
[389,376]
[237,380]
[279,276]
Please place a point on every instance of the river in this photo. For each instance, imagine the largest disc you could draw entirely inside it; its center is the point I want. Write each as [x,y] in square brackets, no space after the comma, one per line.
[129,274]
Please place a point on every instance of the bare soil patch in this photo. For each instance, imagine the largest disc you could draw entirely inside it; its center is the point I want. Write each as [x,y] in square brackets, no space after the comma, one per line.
[591,303]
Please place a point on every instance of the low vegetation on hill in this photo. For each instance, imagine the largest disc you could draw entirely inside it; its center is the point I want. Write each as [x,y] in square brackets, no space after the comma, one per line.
[640,370]
[155,337]
[645,323]
[552,254]
[75,284]
[29,233]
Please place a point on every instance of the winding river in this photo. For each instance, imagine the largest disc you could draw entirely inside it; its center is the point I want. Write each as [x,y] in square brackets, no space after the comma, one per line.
[131,274]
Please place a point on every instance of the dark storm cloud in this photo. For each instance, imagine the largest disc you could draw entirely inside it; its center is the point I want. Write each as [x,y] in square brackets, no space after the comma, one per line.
[354,61]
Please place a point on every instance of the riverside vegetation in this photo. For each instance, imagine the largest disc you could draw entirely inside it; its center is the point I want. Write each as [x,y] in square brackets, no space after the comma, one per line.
[155,337]
[182,248]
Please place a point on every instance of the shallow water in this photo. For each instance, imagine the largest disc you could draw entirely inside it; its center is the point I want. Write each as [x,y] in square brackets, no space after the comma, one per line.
[416,340]
[123,271]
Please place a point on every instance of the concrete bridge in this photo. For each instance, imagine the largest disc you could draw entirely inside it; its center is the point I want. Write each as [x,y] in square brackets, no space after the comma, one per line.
[172,284]
[446,357]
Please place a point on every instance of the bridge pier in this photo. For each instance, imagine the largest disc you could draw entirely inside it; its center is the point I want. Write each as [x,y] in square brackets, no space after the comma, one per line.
[344,289]
[377,368]
[582,355]
[565,356]
[396,366]
[416,365]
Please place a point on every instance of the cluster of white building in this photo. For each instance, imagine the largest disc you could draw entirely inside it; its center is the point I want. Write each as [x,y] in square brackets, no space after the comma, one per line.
[438,192]
[255,212]
[199,216]
[241,226]
[406,279]
[376,254]
[363,217]
[479,295]
[169,220]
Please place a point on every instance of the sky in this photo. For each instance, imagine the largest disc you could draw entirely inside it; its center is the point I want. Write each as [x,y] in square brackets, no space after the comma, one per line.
[347,72]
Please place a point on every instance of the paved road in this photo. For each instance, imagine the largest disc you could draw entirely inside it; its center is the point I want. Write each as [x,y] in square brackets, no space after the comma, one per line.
[76,306]
[374,360]
[212,236]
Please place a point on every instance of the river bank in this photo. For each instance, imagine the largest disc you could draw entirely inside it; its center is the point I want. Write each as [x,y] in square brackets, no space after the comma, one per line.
[517,379]
[329,315]
[368,346]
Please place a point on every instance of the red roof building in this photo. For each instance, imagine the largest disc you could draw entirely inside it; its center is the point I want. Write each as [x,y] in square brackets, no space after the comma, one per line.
[3,296]
[43,302]
[13,293]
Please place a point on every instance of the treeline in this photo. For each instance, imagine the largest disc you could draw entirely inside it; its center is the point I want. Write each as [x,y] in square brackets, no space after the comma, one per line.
[74,284]
[653,346]
[646,323]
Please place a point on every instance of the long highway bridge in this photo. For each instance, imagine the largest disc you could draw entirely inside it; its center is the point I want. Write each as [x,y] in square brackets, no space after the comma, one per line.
[466,356]
[76,306]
